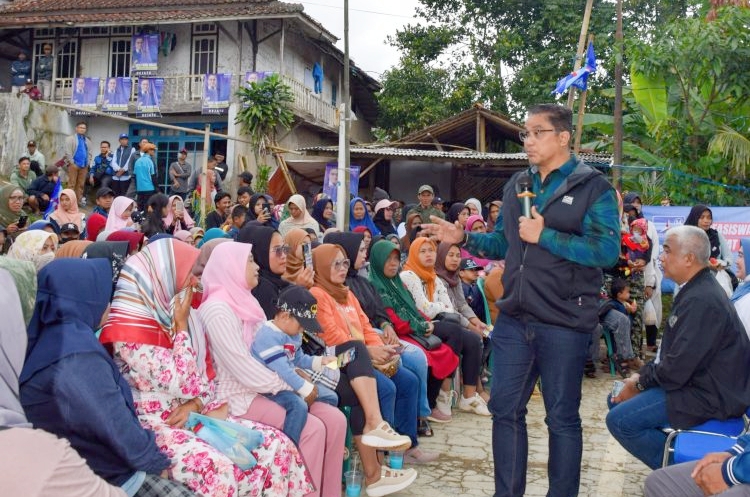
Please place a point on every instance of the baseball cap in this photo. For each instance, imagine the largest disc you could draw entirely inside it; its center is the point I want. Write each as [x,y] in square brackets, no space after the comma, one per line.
[29,82]
[385,203]
[300,303]
[69,227]
[123,135]
[184,151]
[467,263]
[425,188]
[104,191]
[437,200]
[31,143]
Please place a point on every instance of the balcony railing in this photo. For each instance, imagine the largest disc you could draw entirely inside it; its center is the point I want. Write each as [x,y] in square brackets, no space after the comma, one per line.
[183,93]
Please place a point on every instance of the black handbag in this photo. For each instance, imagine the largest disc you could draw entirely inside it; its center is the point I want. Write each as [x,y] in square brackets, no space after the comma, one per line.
[448,317]
[428,342]
[312,344]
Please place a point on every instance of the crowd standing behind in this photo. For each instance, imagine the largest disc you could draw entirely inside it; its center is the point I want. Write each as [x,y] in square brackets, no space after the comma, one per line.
[258,312]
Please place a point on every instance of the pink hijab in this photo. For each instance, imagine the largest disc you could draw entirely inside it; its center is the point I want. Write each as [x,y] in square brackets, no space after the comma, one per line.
[114,219]
[170,217]
[72,215]
[224,280]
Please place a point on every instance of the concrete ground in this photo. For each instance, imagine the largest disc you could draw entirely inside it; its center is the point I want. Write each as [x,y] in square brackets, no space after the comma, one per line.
[465,466]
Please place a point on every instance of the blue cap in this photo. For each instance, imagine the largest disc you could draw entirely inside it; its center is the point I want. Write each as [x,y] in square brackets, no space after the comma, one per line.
[124,135]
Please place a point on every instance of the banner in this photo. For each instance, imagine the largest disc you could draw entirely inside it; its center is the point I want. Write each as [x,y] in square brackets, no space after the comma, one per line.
[117,95]
[54,199]
[331,181]
[256,77]
[216,89]
[84,94]
[149,97]
[144,55]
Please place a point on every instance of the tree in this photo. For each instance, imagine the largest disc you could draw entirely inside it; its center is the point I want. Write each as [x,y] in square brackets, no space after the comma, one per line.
[265,108]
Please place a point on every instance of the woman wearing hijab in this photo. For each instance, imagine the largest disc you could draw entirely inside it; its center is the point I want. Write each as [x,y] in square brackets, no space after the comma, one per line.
[474,206]
[358,216]
[295,271]
[298,216]
[36,246]
[740,297]
[119,214]
[384,217]
[357,379]
[412,357]
[323,214]
[24,277]
[163,359]
[431,298]
[256,211]
[95,224]
[71,387]
[184,236]
[231,315]
[476,224]
[458,212]
[40,463]
[72,250]
[177,218]
[493,213]
[342,319]
[212,234]
[134,239]
[67,210]
[43,224]
[11,210]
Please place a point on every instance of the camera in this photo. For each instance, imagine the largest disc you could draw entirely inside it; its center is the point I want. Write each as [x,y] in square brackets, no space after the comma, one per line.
[138,216]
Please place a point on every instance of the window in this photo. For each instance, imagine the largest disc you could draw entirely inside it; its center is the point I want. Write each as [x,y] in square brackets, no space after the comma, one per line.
[204,28]
[44,33]
[120,58]
[122,30]
[334,94]
[38,52]
[67,60]
[95,31]
[204,54]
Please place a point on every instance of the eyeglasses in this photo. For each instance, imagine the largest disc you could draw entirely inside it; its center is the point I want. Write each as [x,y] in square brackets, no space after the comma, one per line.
[342,264]
[280,250]
[16,198]
[537,134]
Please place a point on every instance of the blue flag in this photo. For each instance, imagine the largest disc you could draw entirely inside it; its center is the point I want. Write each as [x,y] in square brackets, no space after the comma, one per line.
[54,200]
[579,78]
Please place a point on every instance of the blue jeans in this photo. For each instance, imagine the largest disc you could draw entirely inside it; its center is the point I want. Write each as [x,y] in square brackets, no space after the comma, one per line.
[402,415]
[296,412]
[413,359]
[637,423]
[522,353]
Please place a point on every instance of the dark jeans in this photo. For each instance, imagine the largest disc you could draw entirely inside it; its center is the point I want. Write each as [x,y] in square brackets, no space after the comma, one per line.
[637,423]
[523,352]
[466,345]
[360,366]
[120,187]
[401,414]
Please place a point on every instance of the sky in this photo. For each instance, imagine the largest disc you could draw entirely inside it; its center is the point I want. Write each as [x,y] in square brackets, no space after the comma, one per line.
[370,23]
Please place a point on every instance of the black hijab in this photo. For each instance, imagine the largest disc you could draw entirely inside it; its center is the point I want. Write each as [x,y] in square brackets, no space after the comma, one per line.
[350,242]
[270,284]
[251,216]
[713,236]
[454,211]
[115,252]
[386,227]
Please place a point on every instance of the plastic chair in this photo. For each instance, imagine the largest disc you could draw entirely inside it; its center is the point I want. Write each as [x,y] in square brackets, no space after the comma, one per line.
[607,334]
[349,440]
[712,436]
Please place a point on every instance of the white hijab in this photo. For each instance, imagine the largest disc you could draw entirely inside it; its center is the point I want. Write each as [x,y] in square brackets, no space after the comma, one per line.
[12,352]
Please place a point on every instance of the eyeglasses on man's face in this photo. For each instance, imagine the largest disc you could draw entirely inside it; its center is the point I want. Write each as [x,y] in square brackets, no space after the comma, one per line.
[341,264]
[280,250]
[537,134]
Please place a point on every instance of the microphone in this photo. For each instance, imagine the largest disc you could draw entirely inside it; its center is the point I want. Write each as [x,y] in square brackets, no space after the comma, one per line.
[525,195]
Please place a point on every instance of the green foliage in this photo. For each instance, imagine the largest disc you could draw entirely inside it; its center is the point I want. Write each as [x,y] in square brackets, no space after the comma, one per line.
[262,177]
[729,142]
[265,107]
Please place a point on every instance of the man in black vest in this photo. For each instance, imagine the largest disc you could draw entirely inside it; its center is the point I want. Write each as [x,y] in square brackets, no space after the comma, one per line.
[553,259]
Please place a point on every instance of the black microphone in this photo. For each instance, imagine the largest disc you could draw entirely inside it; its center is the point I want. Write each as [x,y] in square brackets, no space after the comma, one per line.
[525,195]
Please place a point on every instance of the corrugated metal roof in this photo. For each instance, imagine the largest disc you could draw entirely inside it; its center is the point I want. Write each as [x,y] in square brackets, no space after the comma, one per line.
[453,155]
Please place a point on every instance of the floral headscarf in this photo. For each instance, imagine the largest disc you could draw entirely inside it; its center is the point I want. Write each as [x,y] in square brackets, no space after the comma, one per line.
[28,247]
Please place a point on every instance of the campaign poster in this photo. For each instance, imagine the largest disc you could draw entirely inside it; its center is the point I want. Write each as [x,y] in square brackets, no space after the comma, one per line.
[331,181]
[149,97]
[256,76]
[216,89]
[84,94]
[116,95]
[144,54]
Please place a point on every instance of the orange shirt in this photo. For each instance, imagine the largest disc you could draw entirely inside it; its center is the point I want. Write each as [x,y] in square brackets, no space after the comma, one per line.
[335,327]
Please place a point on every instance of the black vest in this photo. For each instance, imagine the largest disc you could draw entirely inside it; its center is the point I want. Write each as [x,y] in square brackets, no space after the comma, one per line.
[540,286]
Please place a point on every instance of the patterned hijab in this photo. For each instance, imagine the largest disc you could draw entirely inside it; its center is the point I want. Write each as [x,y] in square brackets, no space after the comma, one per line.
[24,276]
[28,247]
[145,294]
[392,290]
[323,257]
[72,215]
[427,275]
[294,265]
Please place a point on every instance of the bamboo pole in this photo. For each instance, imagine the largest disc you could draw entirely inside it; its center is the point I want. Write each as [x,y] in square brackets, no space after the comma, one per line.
[581,114]
[204,181]
[581,46]
[617,152]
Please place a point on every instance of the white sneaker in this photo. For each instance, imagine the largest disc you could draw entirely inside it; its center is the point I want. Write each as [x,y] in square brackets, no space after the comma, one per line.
[391,481]
[445,401]
[475,404]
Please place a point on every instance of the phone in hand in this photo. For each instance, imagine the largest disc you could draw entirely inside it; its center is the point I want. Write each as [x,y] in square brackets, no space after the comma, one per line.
[267,209]
[617,387]
[179,207]
[307,254]
[22,221]
[346,357]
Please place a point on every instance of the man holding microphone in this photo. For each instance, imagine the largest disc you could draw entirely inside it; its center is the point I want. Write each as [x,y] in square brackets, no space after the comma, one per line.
[554,254]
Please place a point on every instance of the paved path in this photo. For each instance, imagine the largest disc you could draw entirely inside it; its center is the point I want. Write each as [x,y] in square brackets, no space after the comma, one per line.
[465,467]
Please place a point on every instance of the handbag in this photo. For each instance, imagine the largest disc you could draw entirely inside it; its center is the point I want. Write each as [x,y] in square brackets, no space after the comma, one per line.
[448,317]
[427,342]
[389,368]
[312,344]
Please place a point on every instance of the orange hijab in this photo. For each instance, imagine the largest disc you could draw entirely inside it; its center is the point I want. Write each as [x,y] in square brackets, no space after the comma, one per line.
[427,275]
[294,265]
[323,257]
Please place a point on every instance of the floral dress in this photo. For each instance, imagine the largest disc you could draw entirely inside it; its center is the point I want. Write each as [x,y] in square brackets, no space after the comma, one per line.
[162,379]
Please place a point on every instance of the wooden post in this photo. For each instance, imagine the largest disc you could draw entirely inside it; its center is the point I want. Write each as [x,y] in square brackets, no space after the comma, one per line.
[281,48]
[204,181]
[581,47]
[617,152]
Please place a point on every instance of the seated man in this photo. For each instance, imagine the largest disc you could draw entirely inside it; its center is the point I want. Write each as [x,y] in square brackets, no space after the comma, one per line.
[700,371]
[42,188]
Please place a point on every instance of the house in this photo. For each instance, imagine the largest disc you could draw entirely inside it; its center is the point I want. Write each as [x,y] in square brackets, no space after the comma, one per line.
[194,38]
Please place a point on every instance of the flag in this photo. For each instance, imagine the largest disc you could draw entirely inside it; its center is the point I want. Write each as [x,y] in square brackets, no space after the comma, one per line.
[54,199]
[580,77]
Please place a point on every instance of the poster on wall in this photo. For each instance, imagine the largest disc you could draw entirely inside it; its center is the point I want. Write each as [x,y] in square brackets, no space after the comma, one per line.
[84,94]
[149,97]
[331,181]
[216,88]
[116,95]
[256,76]
[144,54]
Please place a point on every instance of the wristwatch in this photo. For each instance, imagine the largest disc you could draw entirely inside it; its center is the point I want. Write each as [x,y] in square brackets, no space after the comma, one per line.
[639,386]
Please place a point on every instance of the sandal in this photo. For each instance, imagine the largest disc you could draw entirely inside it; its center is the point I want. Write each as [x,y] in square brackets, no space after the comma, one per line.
[423,428]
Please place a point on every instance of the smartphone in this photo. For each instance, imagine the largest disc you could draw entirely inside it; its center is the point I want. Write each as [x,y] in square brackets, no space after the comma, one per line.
[179,206]
[346,357]
[22,221]
[267,209]
[307,253]
[617,387]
